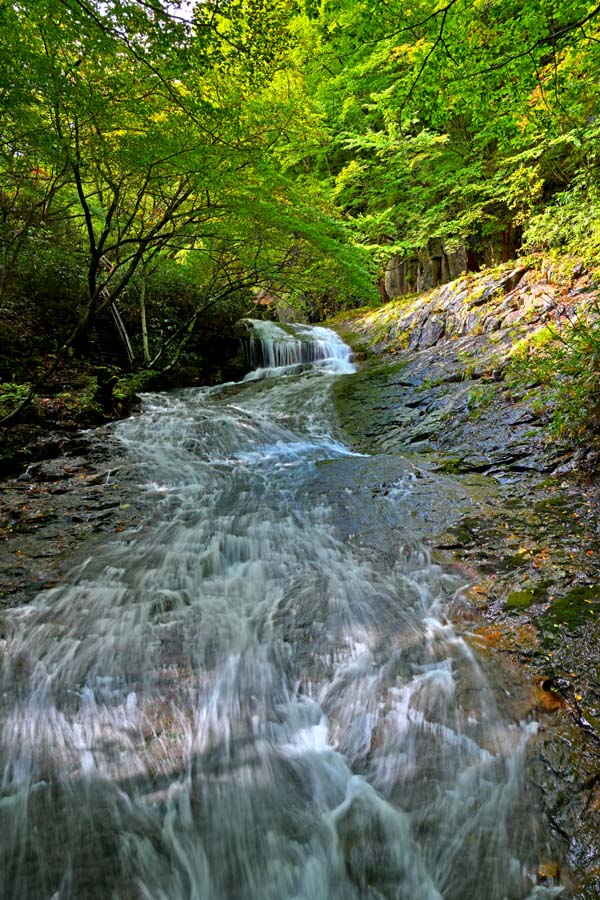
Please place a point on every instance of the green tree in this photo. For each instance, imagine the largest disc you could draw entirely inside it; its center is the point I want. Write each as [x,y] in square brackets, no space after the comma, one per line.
[157,140]
[457,121]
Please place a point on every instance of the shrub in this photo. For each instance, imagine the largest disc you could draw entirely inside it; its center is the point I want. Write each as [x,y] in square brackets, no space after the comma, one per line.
[565,367]
[11,395]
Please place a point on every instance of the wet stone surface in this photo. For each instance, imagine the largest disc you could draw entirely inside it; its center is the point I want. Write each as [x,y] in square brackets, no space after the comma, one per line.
[432,401]
[513,516]
[54,507]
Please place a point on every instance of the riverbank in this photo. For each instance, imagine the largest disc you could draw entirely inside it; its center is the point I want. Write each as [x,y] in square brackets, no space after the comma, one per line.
[512,513]
[515,511]
[57,507]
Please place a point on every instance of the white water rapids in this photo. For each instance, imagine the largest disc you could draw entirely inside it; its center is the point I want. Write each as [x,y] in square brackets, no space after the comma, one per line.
[233,702]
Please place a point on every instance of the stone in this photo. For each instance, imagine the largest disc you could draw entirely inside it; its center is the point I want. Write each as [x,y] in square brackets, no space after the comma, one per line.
[433,266]
[432,332]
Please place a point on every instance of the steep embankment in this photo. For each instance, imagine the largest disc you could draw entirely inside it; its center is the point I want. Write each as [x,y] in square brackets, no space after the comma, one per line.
[445,382]
[459,357]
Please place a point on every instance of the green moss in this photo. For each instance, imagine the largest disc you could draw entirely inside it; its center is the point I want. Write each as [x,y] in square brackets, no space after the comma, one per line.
[352,337]
[451,464]
[394,368]
[357,342]
[380,369]
[476,294]
[535,340]
[523,599]
[577,607]
[468,360]
[461,535]
[428,383]
[403,340]
[479,398]
[340,319]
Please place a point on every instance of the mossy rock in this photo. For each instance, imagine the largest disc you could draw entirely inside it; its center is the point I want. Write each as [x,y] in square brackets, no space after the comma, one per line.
[451,465]
[357,342]
[577,607]
[518,600]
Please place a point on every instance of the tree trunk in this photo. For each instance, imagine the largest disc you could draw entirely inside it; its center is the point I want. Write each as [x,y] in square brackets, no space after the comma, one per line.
[145,343]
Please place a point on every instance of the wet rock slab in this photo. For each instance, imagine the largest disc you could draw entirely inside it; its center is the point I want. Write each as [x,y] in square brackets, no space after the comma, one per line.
[52,508]
[382,501]
[511,512]
[436,401]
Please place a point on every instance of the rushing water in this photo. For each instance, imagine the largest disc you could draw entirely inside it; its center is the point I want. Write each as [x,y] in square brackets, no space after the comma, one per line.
[231,701]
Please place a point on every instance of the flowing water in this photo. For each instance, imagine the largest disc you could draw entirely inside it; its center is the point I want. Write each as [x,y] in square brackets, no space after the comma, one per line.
[232,701]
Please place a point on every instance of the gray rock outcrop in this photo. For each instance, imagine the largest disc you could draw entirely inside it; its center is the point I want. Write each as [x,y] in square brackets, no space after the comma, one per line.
[433,266]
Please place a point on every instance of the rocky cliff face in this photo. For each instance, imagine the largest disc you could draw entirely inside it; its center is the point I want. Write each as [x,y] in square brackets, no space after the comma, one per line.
[439,264]
[452,349]
[512,299]
[434,266]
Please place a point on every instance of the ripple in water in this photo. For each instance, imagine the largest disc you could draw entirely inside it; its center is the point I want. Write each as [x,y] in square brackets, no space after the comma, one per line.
[231,703]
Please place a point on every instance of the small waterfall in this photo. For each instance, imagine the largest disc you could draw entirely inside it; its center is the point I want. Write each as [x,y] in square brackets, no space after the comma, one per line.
[250,695]
[273,349]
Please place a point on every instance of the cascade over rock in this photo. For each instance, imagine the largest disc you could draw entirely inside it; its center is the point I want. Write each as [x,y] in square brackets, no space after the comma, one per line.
[271,348]
[255,692]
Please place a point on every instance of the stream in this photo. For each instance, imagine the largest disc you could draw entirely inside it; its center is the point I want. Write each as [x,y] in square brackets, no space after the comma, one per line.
[236,700]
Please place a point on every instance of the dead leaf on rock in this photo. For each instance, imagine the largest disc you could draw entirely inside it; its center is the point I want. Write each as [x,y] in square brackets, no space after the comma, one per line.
[548,700]
[547,870]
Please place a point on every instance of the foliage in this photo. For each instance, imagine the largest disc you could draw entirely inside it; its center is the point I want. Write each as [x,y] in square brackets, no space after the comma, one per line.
[128,386]
[181,164]
[563,369]
[456,121]
[12,394]
[479,398]
[134,141]
[570,224]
